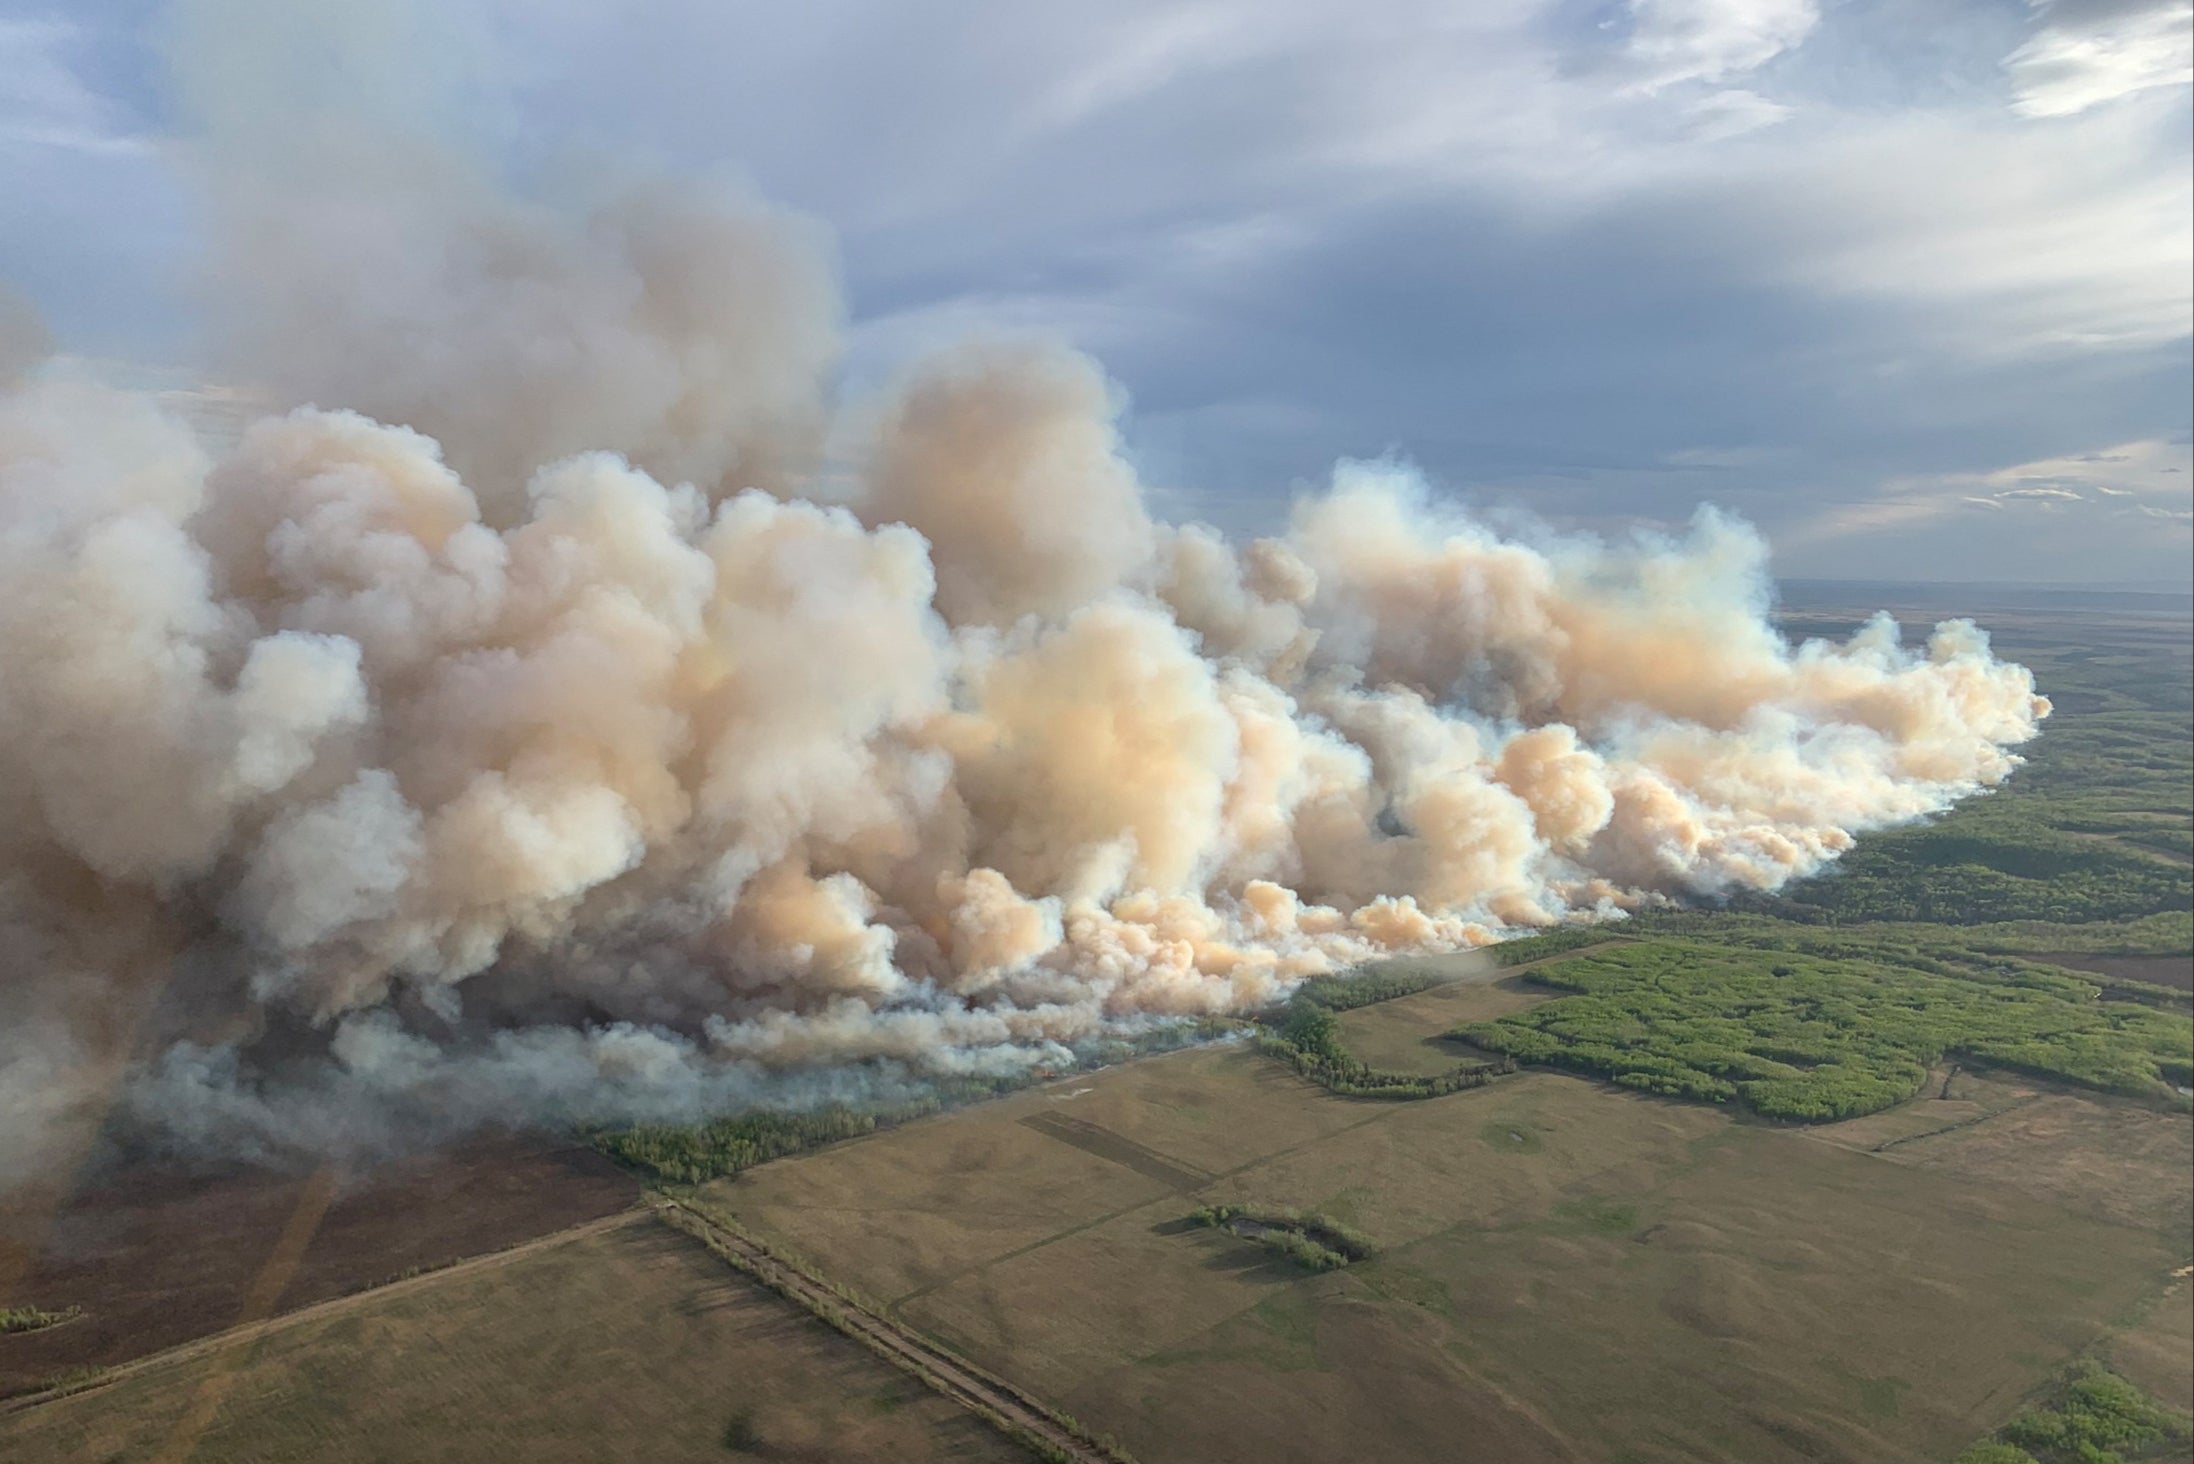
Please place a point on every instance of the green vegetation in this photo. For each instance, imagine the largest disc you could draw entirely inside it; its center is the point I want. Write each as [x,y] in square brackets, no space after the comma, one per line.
[2092,1416]
[1309,1040]
[2007,864]
[1352,1079]
[693,1153]
[1985,952]
[1800,1037]
[2095,828]
[34,1319]
[1346,989]
[1598,1215]
[1552,943]
[1311,1241]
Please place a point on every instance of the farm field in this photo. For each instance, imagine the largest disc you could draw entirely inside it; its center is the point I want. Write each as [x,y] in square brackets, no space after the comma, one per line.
[631,1341]
[1407,1035]
[1565,1270]
[155,1257]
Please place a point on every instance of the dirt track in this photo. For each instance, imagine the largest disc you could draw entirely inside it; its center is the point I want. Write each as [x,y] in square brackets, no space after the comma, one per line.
[956,1378]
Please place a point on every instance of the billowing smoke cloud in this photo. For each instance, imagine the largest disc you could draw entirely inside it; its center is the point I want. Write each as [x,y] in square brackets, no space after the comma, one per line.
[537,727]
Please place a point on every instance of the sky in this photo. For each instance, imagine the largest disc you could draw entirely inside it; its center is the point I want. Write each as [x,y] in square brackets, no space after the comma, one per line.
[1906,283]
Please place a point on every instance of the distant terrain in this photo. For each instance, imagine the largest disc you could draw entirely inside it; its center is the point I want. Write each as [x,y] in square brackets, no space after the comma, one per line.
[1894,1165]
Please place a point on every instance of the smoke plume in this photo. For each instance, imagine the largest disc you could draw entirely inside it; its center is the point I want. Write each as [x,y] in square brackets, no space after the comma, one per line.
[555,707]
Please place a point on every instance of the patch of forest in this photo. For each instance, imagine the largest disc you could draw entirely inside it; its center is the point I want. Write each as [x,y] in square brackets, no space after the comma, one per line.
[2090,1416]
[1311,1241]
[1308,1039]
[1799,1036]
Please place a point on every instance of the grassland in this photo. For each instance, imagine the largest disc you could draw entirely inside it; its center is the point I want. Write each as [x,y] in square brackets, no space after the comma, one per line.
[2156,1353]
[1563,1270]
[629,1343]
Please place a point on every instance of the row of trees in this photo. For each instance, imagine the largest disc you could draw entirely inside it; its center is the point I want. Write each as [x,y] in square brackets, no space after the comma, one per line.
[692,1153]
[1312,1241]
[1346,989]
[1552,943]
[1309,1040]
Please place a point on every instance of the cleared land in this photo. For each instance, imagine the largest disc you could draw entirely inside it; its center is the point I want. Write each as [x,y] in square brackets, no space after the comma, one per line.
[627,1342]
[1564,1271]
[2157,1352]
[1408,1034]
[900,1345]
[157,1257]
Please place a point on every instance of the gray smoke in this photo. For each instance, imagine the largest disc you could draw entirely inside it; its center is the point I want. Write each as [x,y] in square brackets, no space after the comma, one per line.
[525,719]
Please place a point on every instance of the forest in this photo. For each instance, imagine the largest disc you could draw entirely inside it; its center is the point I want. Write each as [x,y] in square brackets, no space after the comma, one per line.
[1796,1036]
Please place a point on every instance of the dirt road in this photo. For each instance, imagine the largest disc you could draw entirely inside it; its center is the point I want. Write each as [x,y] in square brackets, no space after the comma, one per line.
[955,1377]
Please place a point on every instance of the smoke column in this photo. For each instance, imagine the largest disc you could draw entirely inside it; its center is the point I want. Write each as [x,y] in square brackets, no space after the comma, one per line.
[555,705]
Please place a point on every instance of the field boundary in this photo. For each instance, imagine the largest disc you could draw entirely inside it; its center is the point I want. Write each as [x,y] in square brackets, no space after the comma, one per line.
[1094,1138]
[250,1332]
[1051,1435]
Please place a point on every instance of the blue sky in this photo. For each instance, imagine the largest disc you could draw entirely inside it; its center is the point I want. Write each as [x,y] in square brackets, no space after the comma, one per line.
[1904,282]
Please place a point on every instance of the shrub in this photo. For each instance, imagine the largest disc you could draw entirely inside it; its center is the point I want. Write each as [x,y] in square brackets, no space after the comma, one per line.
[33,1319]
[742,1435]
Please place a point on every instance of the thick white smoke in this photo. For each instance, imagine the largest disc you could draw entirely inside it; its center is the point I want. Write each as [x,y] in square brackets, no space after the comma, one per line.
[529,743]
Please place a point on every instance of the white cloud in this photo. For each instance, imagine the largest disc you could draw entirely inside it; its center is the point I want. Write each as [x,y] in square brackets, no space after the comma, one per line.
[43,103]
[1525,249]
[2088,52]
[2120,513]
[2013,243]
[1733,113]
[1713,40]
[2147,479]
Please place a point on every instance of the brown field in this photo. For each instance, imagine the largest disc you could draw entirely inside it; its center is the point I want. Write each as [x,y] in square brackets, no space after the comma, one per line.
[2174,971]
[1568,1271]
[1953,1098]
[1403,1035]
[156,1257]
[2112,1159]
[2157,1352]
[627,1343]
